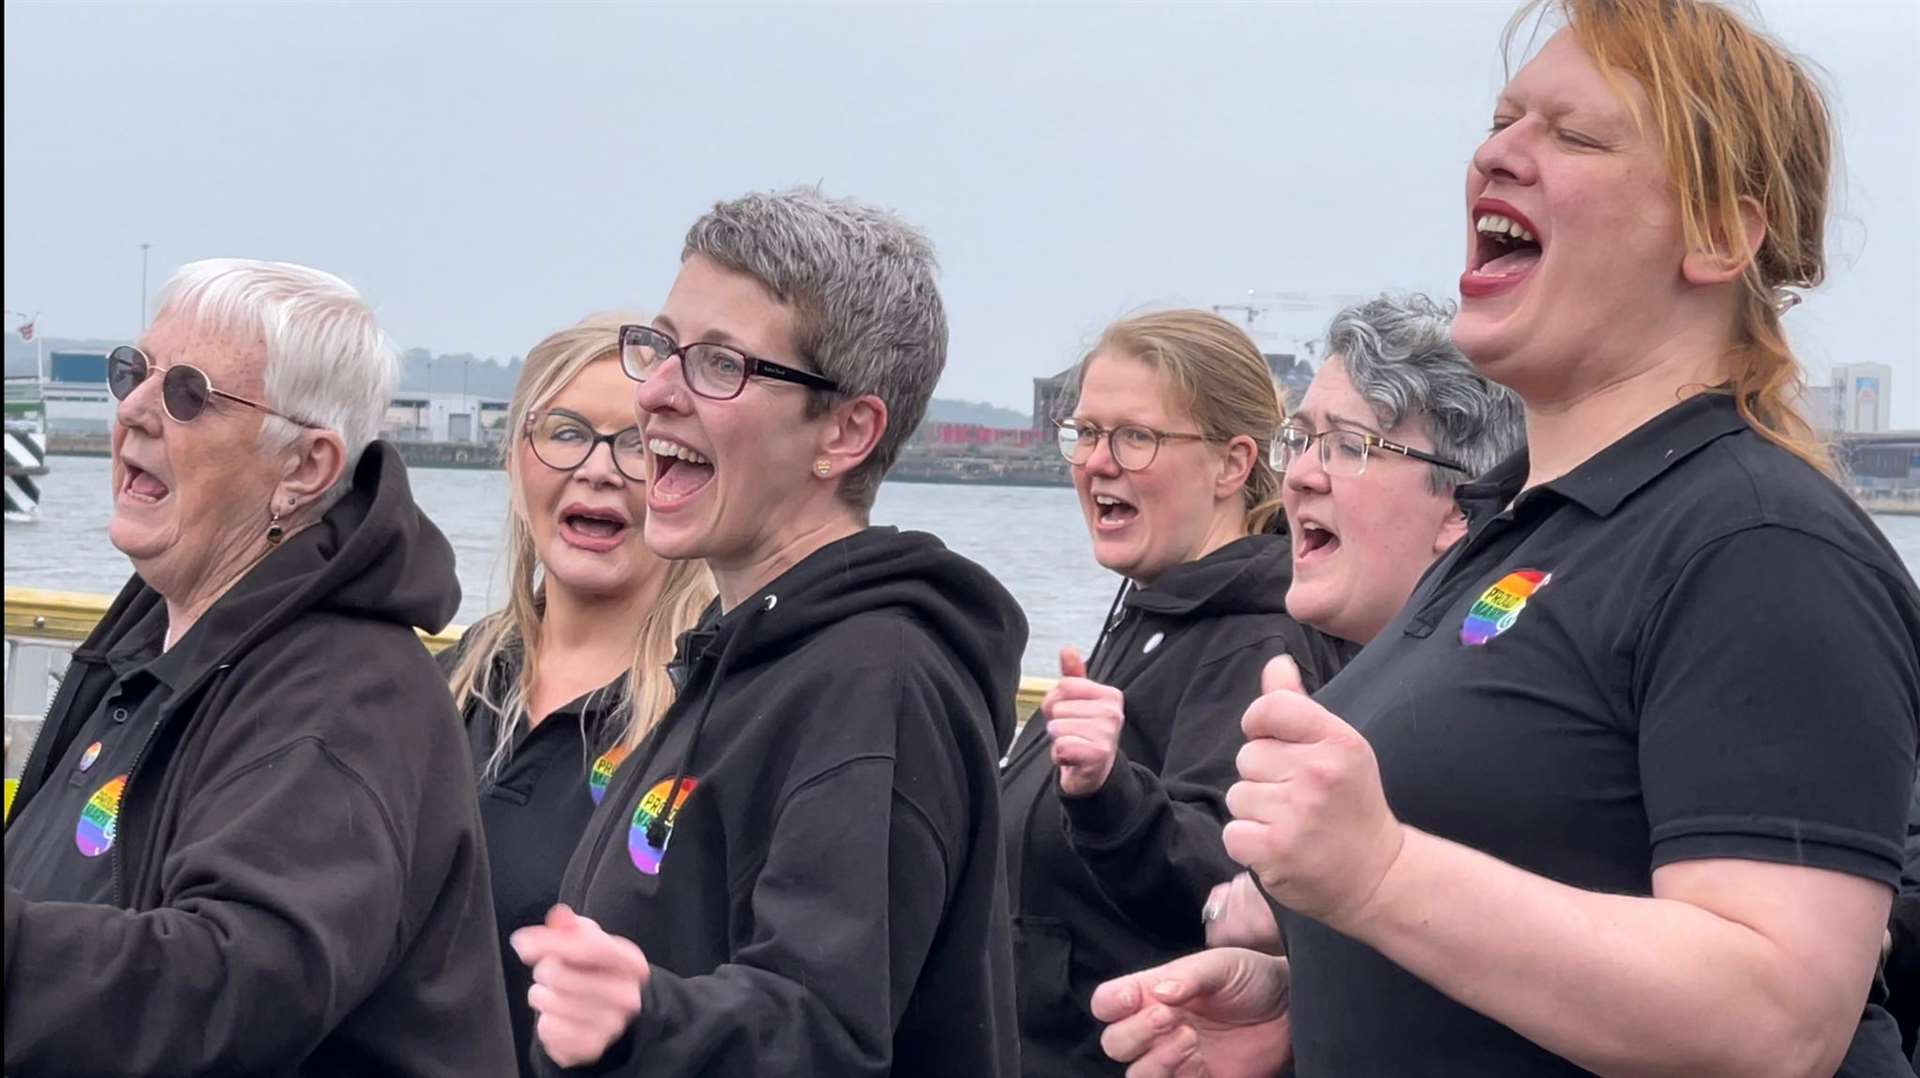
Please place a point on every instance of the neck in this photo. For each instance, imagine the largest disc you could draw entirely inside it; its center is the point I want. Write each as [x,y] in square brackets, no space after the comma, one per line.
[737,582]
[596,630]
[1229,524]
[1565,432]
[191,603]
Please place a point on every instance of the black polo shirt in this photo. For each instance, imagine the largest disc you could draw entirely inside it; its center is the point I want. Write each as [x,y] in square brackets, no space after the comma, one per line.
[1692,646]
[534,810]
[60,849]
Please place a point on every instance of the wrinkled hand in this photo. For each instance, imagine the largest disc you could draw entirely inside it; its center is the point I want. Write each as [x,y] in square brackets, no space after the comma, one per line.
[1221,1013]
[1310,818]
[586,985]
[1083,720]
[1237,915]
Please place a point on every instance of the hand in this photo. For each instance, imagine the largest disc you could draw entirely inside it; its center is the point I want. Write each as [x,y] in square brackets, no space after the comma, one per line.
[1083,720]
[1237,915]
[1310,818]
[1221,1013]
[586,985]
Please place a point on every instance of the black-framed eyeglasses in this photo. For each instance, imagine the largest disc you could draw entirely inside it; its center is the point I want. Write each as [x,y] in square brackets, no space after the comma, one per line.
[564,441]
[1343,452]
[185,390]
[714,371]
[1133,445]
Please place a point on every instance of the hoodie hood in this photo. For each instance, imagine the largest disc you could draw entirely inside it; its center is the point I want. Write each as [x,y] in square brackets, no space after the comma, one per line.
[1250,575]
[373,555]
[884,568]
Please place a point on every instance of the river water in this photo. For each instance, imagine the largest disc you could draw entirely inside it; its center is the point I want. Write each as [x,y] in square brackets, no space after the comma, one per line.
[1031,538]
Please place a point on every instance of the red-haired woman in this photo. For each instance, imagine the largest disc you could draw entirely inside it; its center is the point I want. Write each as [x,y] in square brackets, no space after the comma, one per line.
[1623,788]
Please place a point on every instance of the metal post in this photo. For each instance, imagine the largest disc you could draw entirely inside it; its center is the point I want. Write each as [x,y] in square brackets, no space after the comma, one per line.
[143,285]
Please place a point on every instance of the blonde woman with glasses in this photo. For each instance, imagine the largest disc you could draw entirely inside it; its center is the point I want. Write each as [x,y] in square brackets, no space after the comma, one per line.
[560,684]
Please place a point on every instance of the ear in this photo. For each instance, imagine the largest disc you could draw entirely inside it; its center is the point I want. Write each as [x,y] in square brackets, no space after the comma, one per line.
[313,465]
[1728,257]
[849,434]
[1237,465]
[1453,527]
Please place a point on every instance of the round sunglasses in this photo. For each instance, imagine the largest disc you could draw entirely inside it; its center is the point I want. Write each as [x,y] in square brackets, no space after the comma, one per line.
[185,390]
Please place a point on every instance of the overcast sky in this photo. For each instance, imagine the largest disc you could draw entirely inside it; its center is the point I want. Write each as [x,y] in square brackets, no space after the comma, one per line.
[487,173]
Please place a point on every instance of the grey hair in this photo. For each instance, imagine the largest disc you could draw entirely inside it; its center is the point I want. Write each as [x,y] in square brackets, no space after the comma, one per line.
[1399,354]
[328,362]
[860,282]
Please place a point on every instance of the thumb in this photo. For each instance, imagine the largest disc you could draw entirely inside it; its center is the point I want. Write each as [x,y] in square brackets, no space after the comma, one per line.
[561,917]
[1281,674]
[1070,664]
[1205,973]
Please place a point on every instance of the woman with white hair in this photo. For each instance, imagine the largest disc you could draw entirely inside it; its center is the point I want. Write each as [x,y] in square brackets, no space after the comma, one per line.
[245,840]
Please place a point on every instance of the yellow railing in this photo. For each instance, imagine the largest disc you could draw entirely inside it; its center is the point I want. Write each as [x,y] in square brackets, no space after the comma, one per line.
[68,616]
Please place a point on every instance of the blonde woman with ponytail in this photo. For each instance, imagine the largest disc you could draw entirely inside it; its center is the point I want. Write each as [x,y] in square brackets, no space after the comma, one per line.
[1114,795]
[559,685]
[1622,789]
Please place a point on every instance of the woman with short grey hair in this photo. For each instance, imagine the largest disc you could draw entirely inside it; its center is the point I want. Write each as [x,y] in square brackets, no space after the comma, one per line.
[251,786]
[798,870]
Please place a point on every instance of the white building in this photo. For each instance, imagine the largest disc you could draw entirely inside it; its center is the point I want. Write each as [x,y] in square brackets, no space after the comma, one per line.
[1862,397]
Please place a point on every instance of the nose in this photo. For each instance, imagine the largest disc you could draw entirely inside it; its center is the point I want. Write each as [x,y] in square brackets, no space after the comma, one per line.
[663,393]
[599,468]
[141,410]
[1305,475]
[1506,154]
[1100,462]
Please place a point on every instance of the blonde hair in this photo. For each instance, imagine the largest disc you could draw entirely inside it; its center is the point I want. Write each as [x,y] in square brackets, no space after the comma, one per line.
[550,367]
[1222,379]
[1740,118]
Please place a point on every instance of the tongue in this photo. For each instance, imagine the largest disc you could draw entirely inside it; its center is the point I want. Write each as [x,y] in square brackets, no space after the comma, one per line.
[683,479]
[1516,261]
[145,485]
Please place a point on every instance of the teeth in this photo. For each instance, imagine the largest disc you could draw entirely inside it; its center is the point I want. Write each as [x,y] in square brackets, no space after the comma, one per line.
[674,449]
[1106,500]
[1499,224]
[1310,526]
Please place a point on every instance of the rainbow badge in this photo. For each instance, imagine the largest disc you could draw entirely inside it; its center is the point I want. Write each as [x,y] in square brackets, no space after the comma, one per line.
[88,757]
[1499,606]
[602,773]
[100,818]
[646,856]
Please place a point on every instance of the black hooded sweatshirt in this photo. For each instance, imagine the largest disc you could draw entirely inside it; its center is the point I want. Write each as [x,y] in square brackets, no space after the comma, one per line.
[300,883]
[1113,882]
[807,847]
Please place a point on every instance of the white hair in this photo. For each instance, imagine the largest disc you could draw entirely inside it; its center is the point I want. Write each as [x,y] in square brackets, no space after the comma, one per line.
[328,362]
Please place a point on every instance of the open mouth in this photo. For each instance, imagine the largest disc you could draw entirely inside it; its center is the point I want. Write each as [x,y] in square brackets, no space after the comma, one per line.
[594,528]
[143,485]
[679,472]
[1313,541]
[1506,248]
[1112,512]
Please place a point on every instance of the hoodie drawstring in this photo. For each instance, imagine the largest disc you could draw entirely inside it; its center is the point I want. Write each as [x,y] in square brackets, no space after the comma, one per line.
[662,825]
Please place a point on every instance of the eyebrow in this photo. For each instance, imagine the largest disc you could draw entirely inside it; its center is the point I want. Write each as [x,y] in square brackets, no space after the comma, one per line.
[1337,420]
[715,336]
[588,423]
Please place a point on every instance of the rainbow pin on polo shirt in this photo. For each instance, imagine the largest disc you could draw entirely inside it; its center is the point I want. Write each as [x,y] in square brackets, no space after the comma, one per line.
[1499,606]
[603,768]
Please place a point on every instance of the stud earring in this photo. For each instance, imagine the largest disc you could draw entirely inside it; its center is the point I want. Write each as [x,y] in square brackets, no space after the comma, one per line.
[823,467]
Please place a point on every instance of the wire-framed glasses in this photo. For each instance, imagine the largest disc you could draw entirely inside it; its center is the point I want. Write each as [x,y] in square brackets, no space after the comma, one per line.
[1343,452]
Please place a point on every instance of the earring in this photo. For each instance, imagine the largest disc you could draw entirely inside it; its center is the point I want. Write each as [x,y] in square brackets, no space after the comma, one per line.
[275,532]
[823,467]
